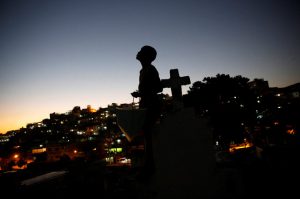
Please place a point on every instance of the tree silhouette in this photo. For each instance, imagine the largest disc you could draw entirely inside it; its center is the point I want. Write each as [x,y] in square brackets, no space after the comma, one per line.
[228,102]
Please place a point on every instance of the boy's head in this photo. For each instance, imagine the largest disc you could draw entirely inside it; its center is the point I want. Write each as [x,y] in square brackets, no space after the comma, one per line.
[146,54]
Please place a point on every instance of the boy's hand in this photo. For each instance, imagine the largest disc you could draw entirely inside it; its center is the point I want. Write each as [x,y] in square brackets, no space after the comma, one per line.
[135,94]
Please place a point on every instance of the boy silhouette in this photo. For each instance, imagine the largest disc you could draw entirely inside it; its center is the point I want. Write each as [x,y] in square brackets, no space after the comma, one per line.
[148,89]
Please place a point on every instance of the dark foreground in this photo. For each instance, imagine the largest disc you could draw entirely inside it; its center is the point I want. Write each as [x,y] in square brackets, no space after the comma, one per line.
[240,176]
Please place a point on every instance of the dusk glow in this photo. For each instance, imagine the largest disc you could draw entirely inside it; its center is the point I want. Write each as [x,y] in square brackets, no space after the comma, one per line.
[57,54]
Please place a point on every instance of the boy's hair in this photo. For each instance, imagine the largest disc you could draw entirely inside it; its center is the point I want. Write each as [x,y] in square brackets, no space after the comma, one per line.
[150,51]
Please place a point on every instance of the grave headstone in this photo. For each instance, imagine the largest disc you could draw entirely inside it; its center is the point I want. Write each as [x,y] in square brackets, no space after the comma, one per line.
[175,82]
[183,149]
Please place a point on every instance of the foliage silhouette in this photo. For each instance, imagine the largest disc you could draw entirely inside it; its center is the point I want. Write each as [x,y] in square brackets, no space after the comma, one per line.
[228,102]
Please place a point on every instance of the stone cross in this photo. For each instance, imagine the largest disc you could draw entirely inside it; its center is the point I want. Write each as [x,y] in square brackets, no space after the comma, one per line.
[175,82]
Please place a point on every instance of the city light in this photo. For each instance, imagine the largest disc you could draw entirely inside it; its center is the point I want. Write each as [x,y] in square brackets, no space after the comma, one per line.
[234,147]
